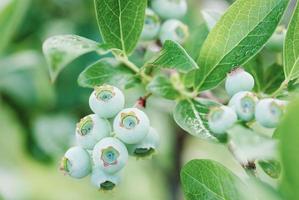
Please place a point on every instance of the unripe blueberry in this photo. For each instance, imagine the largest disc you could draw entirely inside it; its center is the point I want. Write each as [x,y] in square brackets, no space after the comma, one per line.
[110,154]
[92,129]
[106,101]
[169,9]
[220,119]
[76,162]
[275,43]
[147,146]
[268,112]
[102,180]
[238,80]
[175,30]
[131,125]
[151,26]
[244,105]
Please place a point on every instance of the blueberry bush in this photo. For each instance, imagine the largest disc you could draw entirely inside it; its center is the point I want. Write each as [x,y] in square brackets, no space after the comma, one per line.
[231,80]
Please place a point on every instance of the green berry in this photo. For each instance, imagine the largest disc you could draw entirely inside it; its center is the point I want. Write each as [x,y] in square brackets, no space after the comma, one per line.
[131,125]
[92,129]
[106,101]
[220,119]
[244,105]
[276,42]
[147,146]
[238,80]
[110,154]
[151,26]
[268,112]
[104,181]
[175,30]
[169,9]
[76,162]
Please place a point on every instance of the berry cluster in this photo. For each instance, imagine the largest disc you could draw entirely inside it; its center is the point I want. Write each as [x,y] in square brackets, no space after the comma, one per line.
[102,152]
[162,21]
[244,105]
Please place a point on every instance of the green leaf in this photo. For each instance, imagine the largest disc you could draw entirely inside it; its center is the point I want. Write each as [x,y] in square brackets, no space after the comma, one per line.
[239,35]
[207,179]
[271,167]
[162,86]
[105,71]
[291,48]
[173,56]
[11,15]
[191,115]
[273,78]
[61,50]
[196,39]
[289,148]
[121,22]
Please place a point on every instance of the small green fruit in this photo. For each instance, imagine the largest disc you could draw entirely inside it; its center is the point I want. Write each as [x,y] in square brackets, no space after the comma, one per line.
[238,80]
[106,101]
[244,105]
[131,125]
[268,112]
[92,129]
[151,26]
[110,154]
[220,119]
[76,162]
[104,181]
[170,9]
[175,30]
[147,146]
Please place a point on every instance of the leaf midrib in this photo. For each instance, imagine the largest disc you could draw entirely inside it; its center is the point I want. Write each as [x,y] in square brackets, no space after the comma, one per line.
[214,67]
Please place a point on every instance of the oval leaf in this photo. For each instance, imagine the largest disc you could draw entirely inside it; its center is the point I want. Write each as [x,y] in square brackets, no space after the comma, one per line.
[121,22]
[289,148]
[291,48]
[173,56]
[238,35]
[61,50]
[104,71]
[207,179]
[190,115]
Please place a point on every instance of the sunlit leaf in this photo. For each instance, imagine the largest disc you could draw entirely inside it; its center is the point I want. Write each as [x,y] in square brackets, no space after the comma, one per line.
[239,35]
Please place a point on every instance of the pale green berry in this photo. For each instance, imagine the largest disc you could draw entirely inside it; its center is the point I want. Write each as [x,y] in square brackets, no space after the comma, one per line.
[76,162]
[106,101]
[110,154]
[147,146]
[238,80]
[131,125]
[268,112]
[275,43]
[92,129]
[170,9]
[244,105]
[174,30]
[222,118]
[151,25]
[102,180]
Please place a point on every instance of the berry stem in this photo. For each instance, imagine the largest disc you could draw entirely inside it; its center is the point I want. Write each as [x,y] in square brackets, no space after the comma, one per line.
[249,166]
[141,102]
[283,86]
[125,60]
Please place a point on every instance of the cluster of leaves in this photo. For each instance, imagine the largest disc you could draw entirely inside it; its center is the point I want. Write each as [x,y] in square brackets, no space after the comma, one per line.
[178,74]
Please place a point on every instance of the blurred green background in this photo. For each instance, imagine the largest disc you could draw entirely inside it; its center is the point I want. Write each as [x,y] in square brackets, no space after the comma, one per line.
[37,118]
